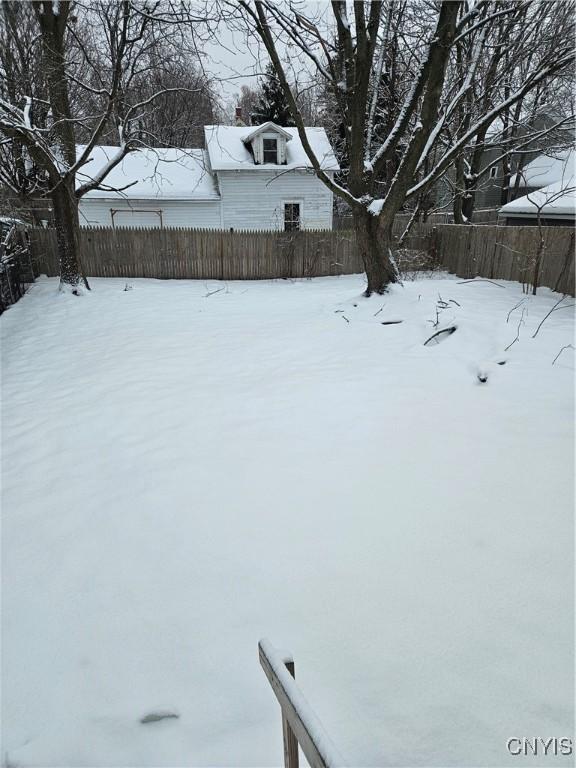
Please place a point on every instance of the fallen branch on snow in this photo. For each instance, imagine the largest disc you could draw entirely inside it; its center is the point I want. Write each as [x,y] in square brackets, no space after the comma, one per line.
[480,280]
[444,333]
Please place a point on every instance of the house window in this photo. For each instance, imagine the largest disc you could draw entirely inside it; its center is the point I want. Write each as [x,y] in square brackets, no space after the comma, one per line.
[270,147]
[291,217]
[493,171]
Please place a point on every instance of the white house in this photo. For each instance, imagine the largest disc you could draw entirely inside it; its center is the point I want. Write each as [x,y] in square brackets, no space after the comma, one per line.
[246,178]
[550,183]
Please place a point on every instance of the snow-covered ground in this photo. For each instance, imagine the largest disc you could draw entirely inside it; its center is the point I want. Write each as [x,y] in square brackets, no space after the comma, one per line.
[186,471]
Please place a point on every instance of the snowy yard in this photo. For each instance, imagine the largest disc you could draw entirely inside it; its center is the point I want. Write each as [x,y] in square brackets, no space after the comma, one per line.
[186,471]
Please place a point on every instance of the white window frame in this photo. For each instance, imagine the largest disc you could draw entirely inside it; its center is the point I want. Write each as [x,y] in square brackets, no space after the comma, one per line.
[493,171]
[276,138]
[292,201]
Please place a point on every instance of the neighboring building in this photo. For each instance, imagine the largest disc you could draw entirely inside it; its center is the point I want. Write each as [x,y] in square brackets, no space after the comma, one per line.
[489,190]
[551,206]
[544,170]
[548,185]
[167,188]
[255,178]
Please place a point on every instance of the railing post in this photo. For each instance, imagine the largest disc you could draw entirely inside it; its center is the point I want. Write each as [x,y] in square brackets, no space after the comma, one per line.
[298,719]
[290,741]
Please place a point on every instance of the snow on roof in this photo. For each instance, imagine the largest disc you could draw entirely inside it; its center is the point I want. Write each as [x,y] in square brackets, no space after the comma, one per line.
[547,169]
[228,152]
[555,200]
[176,174]
[269,126]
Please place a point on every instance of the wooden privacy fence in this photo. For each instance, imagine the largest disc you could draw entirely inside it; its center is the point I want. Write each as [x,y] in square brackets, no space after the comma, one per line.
[494,252]
[508,253]
[204,254]
[210,254]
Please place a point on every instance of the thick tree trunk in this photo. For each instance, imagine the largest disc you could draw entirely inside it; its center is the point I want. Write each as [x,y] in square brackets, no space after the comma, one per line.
[374,244]
[52,19]
[68,234]
[468,203]
[463,207]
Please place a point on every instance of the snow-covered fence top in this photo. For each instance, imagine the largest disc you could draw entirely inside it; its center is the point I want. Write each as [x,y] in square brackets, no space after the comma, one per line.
[300,720]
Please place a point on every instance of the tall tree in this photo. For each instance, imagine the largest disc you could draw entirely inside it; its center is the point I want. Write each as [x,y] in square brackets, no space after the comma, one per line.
[413,153]
[272,104]
[90,58]
[509,47]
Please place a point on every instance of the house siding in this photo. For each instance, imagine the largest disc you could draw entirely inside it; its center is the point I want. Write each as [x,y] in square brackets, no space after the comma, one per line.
[254,199]
[97,212]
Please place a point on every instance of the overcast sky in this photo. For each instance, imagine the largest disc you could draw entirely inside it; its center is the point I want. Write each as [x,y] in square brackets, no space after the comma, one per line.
[234,60]
[237,59]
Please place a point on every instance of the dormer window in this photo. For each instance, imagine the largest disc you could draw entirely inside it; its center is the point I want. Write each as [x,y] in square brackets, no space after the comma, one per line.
[267,144]
[270,149]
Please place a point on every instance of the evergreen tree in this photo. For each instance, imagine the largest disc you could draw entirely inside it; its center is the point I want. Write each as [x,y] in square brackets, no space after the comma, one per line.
[272,105]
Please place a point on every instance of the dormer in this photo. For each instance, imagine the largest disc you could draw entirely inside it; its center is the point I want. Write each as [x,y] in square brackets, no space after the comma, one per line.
[267,144]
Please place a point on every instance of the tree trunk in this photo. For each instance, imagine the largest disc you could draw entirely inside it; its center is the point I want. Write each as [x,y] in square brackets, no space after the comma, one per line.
[68,235]
[458,191]
[374,243]
[468,203]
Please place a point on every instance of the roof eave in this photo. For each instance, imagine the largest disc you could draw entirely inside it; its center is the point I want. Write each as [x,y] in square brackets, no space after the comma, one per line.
[154,199]
[265,127]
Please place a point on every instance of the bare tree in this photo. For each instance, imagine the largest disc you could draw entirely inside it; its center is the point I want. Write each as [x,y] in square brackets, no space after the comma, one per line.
[104,67]
[385,172]
[551,198]
[20,177]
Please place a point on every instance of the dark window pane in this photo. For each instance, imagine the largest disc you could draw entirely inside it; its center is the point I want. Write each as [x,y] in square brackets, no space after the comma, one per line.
[291,217]
[270,153]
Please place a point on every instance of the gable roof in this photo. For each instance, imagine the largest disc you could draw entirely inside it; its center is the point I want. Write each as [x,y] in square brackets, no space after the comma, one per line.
[269,126]
[227,150]
[557,200]
[547,169]
[159,173]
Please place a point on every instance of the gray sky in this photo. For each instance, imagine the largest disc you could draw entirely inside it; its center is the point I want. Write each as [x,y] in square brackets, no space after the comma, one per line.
[233,60]
[237,60]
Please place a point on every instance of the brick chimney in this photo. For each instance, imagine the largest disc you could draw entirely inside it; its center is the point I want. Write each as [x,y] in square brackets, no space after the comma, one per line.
[239,121]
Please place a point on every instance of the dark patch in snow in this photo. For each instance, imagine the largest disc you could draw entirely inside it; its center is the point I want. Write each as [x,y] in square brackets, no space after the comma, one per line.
[391,322]
[155,717]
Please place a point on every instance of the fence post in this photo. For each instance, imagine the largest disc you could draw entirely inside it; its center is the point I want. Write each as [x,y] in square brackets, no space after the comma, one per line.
[290,741]
[433,245]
